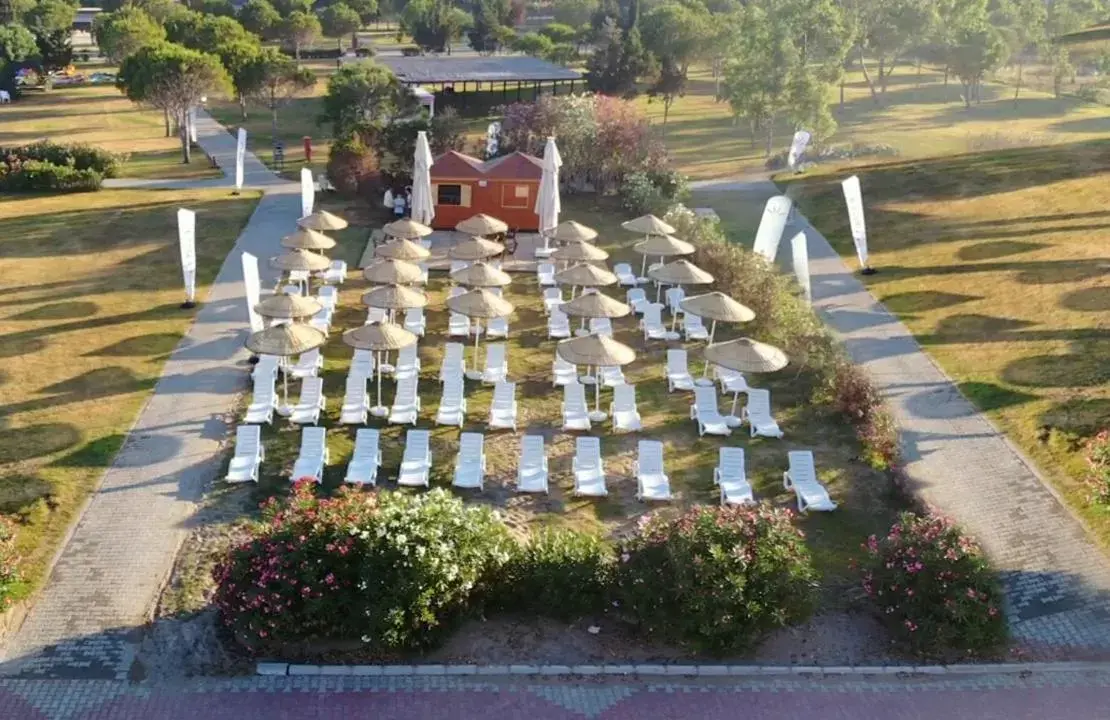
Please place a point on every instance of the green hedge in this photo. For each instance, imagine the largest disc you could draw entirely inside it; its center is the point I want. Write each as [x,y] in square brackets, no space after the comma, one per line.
[54,167]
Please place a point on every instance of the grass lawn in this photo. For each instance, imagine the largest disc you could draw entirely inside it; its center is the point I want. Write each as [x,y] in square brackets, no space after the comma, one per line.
[867,502]
[88,313]
[101,116]
[996,262]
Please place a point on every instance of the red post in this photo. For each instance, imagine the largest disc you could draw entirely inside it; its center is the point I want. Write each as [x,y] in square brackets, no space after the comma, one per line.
[307,149]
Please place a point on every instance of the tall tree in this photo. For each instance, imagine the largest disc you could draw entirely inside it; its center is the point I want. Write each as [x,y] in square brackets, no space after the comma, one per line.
[885,30]
[286,8]
[120,33]
[17,43]
[339,20]
[172,78]
[619,61]
[490,18]
[434,24]
[977,51]
[1022,23]
[49,16]
[240,59]
[300,29]
[261,18]
[274,79]
[363,97]
[55,49]
[675,35]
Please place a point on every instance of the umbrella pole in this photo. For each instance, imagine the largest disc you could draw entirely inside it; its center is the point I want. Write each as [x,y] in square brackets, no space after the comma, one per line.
[733,420]
[712,332]
[643,267]
[284,409]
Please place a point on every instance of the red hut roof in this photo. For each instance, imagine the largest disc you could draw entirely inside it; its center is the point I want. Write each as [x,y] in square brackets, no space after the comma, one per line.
[514,166]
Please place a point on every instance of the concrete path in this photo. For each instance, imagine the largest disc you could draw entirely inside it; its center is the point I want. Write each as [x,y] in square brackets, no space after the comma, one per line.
[1050,696]
[87,620]
[1057,581]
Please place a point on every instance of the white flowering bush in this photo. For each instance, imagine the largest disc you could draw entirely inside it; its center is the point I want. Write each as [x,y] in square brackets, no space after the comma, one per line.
[393,569]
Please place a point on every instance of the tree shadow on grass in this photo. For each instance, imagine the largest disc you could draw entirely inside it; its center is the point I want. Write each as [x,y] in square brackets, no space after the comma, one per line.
[154,344]
[25,443]
[1083,125]
[69,310]
[1058,371]
[996,249]
[1078,416]
[18,492]
[907,303]
[95,453]
[989,396]
[1093,299]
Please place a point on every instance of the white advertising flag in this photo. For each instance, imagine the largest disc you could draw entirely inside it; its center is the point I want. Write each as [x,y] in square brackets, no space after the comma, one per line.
[308,192]
[253,289]
[187,238]
[240,154]
[767,237]
[801,263]
[193,124]
[854,198]
[797,148]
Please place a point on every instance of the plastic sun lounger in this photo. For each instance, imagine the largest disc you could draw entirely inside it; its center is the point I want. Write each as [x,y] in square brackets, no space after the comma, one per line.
[601,326]
[623,409]
[674,297]
[376,316]
[249,454]
[678,371]
[356,403]
[263,401]
[757,413]
[706,412]
[558,325]
[497,366]
[415,322]
[802,479]
[589,473]
[611,376]
[652,482]
[731,381]
[652,323]
[563,372]
[503,408]
[362,364]
[313,456]
[307,365]
[266,365]
[366,459]
[311,403]
[416,463]
[552,299]
[637,299]
[470,465]
[458,326]
[545,274]
[328,296]
[408,363]
[453,363]
[732,477]
[406,403]
[497,328]
[693,327]
[336,273]
[624,274]
[576,415]
[531,473]
[452,404]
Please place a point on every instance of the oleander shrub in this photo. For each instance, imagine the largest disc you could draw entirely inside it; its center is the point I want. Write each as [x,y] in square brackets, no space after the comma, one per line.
[561,573]
[850,392]
[10,576]
[1098,467]
[933,589]
[392,569]
[716,578]
[653,191]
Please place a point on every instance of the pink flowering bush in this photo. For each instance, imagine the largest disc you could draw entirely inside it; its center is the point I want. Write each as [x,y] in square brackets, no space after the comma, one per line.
[392,569]
[716,578]
[1098,467]
[933,588]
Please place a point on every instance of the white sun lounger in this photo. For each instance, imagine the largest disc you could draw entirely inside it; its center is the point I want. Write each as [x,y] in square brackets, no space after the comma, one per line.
[416,463]
[408,362]
[322,325]
[470,465]
[499,292]
[706,412]
[249,454]
[366,458]
[623,409]
[497,328]
[362,363]
[263,401]
[601,326]
[731,381]
[694,328]
[611,376]
[406,403]
[336,273]
[312,401]
[558,325]
[452,403]
[802,479]
[757,414]
[637,299]
[576,415]
[376,316]
[267,365]
[355,401]
[458,325]
[652,323]
[503,408]
[307,364]
[545,274]
[453,363]
[674,297]
[563,372]
[678,371]
[651,482]
[589,473]
[531,473]
[497,366]
[313,456]
[457,265]
[732,477]
[552,299]
[415,322]
[328,296]
[624,274]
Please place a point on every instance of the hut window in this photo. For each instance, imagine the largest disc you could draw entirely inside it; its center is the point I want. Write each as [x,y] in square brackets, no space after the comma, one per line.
[514,196]
[448,194]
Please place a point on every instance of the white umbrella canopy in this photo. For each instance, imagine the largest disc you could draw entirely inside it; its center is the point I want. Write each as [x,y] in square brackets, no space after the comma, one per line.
[475,248]
[579,252]
[548,203]
[388,271]
[423,208]
[481,225]
[407,229]
[307,240]
[322,221]
[379,338]
[480,274]
[403,249]
[288,307]
[572,231]
[647,225]
[596,351]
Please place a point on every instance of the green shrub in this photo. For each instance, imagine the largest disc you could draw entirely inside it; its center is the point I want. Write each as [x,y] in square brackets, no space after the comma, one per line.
[933,588]
[10,577]
[38,176]
[1098,467]
[80,157]
[653,192]
[716,578]
[393,569]
[564,574]
[851,394]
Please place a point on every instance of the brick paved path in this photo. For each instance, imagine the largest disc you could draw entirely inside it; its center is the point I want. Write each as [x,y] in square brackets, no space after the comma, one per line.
[1051,696]
[1057,581]
[87,620]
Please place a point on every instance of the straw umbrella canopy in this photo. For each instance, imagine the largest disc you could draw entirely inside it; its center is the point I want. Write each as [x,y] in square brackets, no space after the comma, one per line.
[664,246]
[594,305]
[299,259]
[307,240]
[403,249]
[580,252]
[476,305]
[597,351]
[747,356]
[322,221]
[585,275]
[379,338]
[388,272]
[394,297]
[480,274]
[681,272]
[407,229]
[481,225]
[571,231]
[716,306]
[475,248]
[647,225]
[284,341]
[288,307]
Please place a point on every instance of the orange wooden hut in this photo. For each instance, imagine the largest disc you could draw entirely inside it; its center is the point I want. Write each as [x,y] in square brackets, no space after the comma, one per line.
[504,187]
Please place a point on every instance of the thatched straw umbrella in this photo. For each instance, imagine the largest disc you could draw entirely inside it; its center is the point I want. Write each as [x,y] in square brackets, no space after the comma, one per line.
[597,351]
[594,305]
[585,275]
[747,356]
[379,338]
[402,249]
[480,274]
[478,305]
[322,221]
[307,240]
[406,229]
[482,225]
[285,341]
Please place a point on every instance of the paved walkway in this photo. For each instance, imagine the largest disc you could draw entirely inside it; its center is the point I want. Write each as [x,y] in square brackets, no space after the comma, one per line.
[1052,696]
[1057,581]
[87,620]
